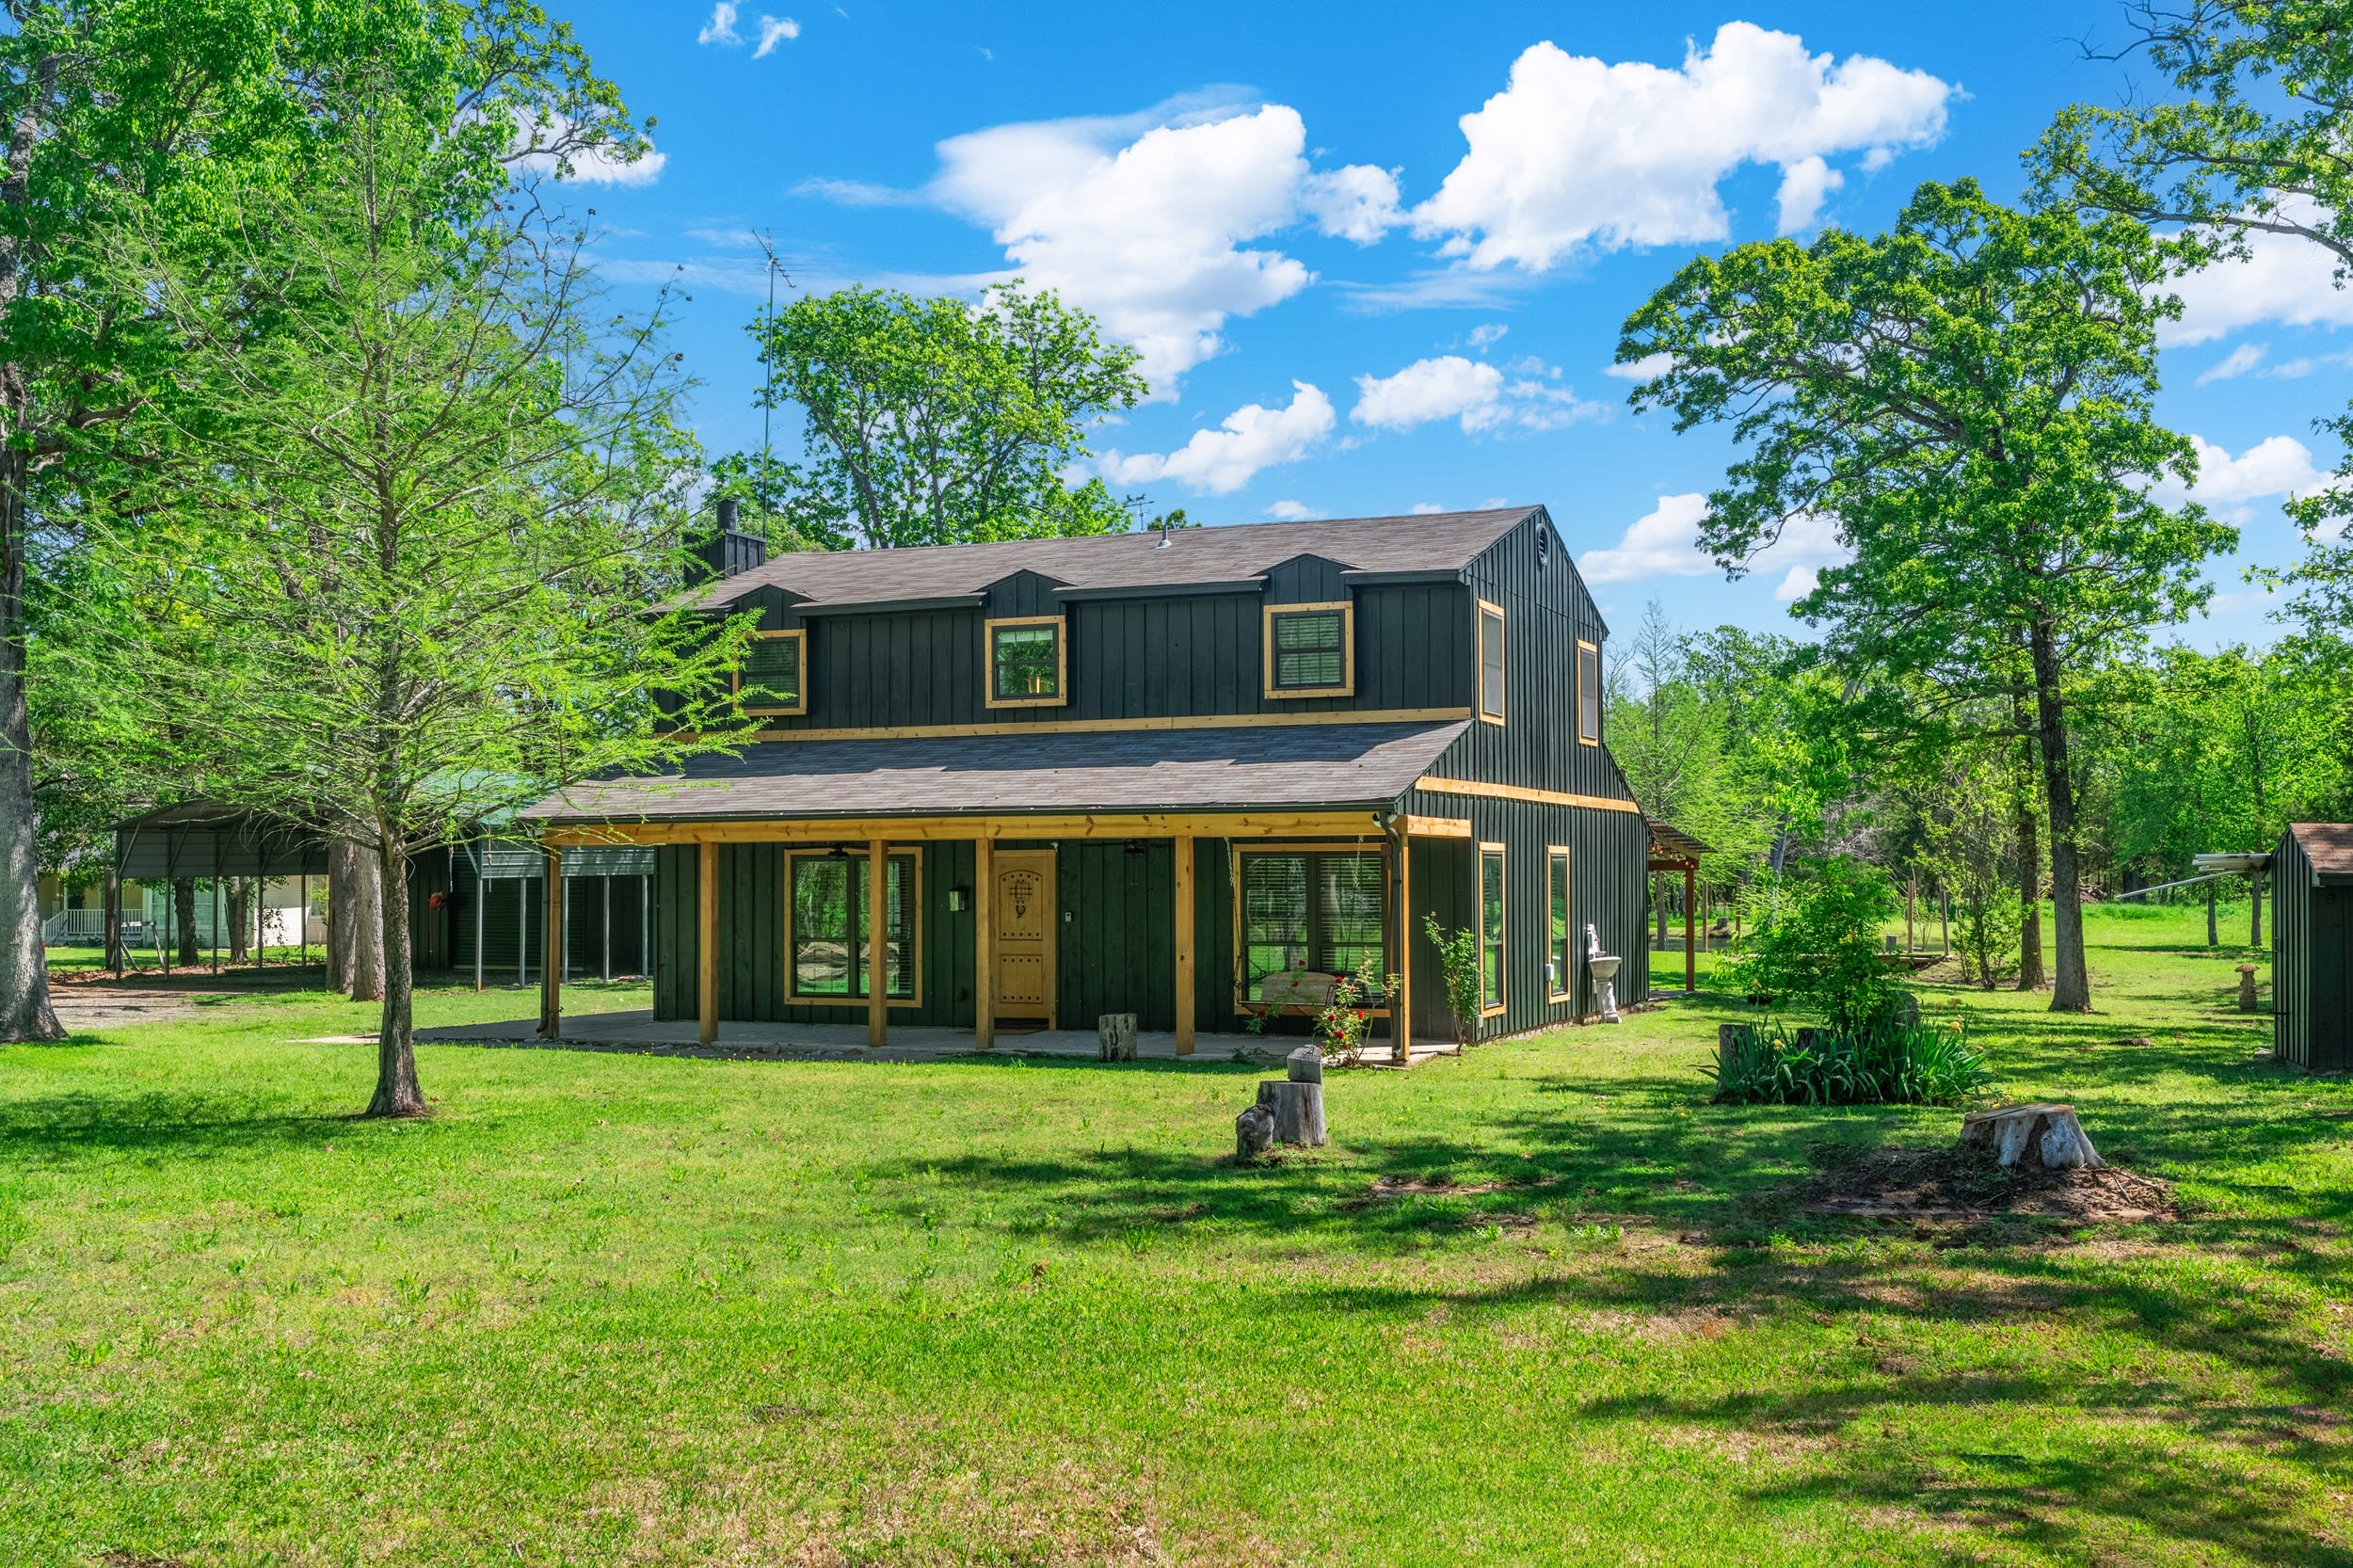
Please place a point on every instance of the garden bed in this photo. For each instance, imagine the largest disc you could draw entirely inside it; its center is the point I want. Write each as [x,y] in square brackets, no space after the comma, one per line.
[1956,1183]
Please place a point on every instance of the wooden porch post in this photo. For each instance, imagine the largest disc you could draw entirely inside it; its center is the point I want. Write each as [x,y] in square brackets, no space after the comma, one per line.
[707,940]
[1690,934]
[983,942]
[878,941]
[1402,1004]
[1184,944]
[552,968]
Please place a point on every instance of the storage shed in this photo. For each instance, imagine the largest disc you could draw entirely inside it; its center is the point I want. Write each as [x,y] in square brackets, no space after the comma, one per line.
[2311,947]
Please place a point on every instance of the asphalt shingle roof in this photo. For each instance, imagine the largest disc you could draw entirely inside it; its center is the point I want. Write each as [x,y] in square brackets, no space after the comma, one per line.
[1442,542]
[1027,771]
[2327,844]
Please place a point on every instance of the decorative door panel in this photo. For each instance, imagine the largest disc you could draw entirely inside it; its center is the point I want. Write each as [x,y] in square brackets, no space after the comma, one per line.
[1023,938]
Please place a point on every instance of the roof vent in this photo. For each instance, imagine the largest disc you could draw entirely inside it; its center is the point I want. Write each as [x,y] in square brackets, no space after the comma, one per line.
[1544,546]
[1165,532]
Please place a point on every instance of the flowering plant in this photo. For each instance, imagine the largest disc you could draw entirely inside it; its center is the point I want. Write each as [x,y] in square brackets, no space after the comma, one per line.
[1341,1023]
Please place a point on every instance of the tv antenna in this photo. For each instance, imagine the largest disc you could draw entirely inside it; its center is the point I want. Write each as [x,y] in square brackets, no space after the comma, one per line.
[766,240]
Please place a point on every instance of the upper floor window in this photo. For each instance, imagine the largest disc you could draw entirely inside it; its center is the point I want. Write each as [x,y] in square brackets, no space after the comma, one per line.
[771,678]
[1491,662]
[1028,664]
[1588,693]
[1310,651]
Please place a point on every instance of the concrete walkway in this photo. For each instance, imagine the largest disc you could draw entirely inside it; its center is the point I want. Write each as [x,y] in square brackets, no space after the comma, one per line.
[636,1031]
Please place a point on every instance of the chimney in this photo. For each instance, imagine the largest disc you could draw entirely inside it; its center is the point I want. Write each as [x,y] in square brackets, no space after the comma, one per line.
[726,552]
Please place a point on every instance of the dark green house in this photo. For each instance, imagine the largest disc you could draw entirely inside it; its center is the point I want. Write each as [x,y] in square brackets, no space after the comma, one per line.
[1186,775]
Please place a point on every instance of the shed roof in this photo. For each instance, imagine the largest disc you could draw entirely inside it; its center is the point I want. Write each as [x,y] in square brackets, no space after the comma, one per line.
[1241,552]
[210,838]
[1024,771]
[2329,845]
[1670,843]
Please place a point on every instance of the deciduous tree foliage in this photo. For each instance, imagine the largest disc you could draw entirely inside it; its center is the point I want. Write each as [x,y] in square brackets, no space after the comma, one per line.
[1967,399]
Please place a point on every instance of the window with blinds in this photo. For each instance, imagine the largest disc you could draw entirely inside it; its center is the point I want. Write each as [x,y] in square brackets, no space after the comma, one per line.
[1588,693]
[768,679]
[828,953]
[1557,951]
[1323,910]
[1491,928]
[1308,651]
[1490,661]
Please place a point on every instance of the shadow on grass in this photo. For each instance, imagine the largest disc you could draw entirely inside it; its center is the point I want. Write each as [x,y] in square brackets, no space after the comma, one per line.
[58,1128]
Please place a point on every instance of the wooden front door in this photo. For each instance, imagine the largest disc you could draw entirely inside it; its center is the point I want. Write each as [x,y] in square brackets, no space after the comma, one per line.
[1022,907]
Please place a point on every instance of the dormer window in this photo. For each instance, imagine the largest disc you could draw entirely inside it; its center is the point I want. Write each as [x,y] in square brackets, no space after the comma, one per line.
[771,678]
[1027,663]
[1310,651]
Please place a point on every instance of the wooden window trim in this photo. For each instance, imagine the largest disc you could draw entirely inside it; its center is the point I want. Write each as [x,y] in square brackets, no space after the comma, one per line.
[915,934]
[1347,687]
[1479,662]
[1062,662]
[1503,937]
[1558,853]
[800,636]
[1243,1006]
[1583,648]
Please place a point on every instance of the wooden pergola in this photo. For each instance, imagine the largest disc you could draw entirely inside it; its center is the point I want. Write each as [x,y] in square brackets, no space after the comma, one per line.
[1674,850]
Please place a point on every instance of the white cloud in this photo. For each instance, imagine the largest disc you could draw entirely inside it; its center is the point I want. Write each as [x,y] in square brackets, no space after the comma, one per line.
[1650,367]
[1357,202]
[1799,582]
[2246,357]
[2278,465]
[773,31]
[1295,511]
[1804,186]
[2284,279]
[1477,394]
[1665,542]
[1576,153]
[594,166]
[1424,509]
[1487,334]
[720,29]
[1223,460]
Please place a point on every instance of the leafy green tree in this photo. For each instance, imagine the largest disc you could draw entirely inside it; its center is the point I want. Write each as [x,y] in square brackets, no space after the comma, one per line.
[1967,400]
[1814,942]
[934,422]
[438,484]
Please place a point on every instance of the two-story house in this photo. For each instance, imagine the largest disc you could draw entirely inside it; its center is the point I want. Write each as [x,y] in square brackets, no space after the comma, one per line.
[1156,772]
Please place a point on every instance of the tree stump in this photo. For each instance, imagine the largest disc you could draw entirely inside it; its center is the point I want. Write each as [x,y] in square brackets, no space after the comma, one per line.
[1306,1065]
[1254,1133]
[2032,1138]
[1115,1037]
[1297,1110]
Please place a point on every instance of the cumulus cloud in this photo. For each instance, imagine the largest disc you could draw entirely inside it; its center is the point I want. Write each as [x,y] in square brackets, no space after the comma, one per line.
[720,29]
[1424,509]
[1650,367]
[2278,465]
[2246,357]
[2283,280]
[1665,542]
[773,31]
[1357,202]
[1221,461]
[594,165]
[1477,394]
[1576,153]
[1295,511]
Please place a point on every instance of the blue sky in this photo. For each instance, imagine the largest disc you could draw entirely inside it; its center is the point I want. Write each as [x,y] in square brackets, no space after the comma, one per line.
[1376,256]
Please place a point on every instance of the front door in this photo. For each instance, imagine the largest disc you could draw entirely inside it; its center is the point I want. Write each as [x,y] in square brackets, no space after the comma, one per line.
[1022,907]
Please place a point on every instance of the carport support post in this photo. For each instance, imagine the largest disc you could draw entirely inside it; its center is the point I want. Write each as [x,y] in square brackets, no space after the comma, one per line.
[2213,937]
[552,967]
[1183,928]
[607,881]
[983,942]
[878,941]
[1401,999]
[2255,909]
[1690,935]
[481,886]
[707,939]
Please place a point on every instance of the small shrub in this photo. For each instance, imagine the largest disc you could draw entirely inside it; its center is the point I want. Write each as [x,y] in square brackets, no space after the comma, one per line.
[1814,943]
[1340,1025]
[1458,956]
[1888,1063]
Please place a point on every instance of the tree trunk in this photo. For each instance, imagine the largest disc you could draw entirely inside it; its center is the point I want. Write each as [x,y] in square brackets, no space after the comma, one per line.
[2029,872]
[396,1091]
[368,918]
[117,955]
[240,910]
[2071,986]
[341,895]
[184,915]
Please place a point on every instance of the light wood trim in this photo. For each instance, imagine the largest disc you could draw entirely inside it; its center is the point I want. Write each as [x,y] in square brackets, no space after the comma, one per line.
[1183,924]
[1517,791]
[552,962]
[707,942]
[1503,939]
[878,940]
[1402,1021]
[800,636]
[1106,727]
[1348,650]
[1062,662]
[1244,1004]
[984,935]
[823,830]
[1478,662]
[1567,990]
[914,932]
[1434,827]
[1578,717]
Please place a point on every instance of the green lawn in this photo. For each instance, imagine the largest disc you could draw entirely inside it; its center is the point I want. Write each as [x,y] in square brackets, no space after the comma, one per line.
[610,1309]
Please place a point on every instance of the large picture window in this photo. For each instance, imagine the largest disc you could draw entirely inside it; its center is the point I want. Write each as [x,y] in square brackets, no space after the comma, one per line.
[1310,651]
[1318,909]
[1557,951]
[1588,693]
[1490,929]
[770,677]
[828,928]
[1491,662]
[1027,664]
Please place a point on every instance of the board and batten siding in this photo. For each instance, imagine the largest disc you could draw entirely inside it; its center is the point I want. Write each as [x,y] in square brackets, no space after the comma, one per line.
[2311,965]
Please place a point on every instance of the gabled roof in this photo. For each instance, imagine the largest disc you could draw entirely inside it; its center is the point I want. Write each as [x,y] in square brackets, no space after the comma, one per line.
[1439,542]
[1025,770]
[2329,845]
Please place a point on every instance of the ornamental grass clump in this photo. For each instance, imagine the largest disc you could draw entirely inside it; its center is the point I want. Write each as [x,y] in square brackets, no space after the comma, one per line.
[1888,1063]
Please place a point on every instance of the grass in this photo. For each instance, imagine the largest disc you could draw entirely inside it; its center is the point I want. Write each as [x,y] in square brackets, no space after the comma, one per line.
[609,1309]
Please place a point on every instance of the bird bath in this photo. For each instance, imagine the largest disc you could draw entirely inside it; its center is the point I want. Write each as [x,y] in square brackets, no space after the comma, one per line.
[1604,968]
